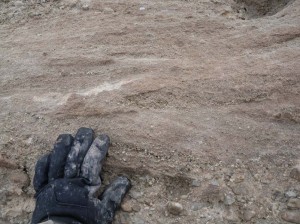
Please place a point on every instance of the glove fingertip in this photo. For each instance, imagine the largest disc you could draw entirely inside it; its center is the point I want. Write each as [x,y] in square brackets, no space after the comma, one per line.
[104,137]
[59,155]
[125,180]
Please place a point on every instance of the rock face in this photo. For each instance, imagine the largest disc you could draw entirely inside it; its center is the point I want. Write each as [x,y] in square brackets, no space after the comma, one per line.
[200,98]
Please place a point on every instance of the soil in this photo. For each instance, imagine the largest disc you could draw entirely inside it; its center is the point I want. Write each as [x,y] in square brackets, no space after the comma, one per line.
[200,99]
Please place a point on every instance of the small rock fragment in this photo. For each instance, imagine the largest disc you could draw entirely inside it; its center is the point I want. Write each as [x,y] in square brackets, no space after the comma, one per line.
[295,173]
[135,194]
[174,208]
[30,139]
[147,201]
[85,7]
[19,178]
[18,3]
[136,208]
[214,182]
[137,220]
[196,206]
[237,178]
[196,183]
[126,206]
[231,215]
[248,214]
[123,218]
[277,195]
[28,205]
[240,189]
[294,203]
[108,10]
[3,196]
[5,163]
[291,216]
[212,194]
[290,194]
[185,196]
[129,206]
[229,199]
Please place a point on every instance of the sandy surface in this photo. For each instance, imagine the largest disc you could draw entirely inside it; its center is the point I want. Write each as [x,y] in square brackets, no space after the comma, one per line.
[200,98]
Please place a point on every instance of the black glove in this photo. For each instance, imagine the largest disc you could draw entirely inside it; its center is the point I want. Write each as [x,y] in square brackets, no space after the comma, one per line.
[67,180]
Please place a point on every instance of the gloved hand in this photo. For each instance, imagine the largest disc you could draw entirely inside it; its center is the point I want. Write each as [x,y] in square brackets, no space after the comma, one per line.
[66,182]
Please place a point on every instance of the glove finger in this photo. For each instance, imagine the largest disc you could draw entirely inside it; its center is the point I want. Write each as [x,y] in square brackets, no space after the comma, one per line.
[59,155]
[40,178]
[114,194]
[93,162]
[82,142]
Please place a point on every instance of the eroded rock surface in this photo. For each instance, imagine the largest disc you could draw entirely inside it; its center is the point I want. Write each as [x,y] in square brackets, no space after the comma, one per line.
[200,99]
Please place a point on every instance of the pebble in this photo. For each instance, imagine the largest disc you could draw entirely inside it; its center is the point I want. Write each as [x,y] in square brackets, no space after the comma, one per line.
[214,182]
[248,214]
[196,183]
[85,7]
[136,208]
[108,10]
[295,173]
[18,3]
[241,198]
[135,194]
[147,201]
[30,140]
[196,206]
[212,194]
[240,189]
[19,178]
[185,196]
[174,208]
[231,216]
[126,206]
[294,203]
[7,163]
[290,194]
[123,218]
[291,216]
[28,205]
[229,199]
[137,220]
[3,196]
[238,178]
[130,206]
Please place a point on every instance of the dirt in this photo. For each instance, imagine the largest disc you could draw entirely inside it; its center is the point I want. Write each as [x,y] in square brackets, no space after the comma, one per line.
[200,99]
